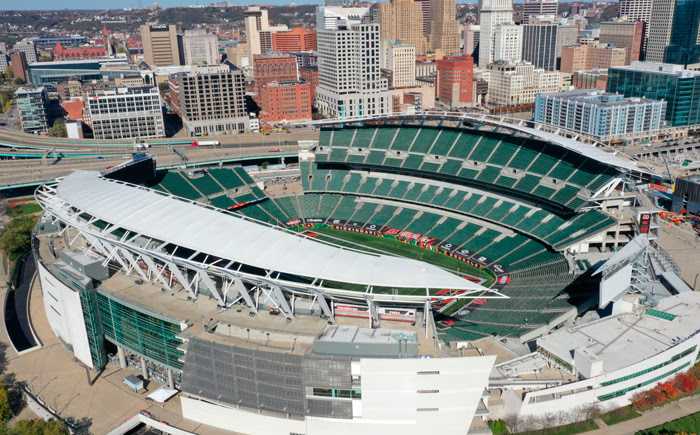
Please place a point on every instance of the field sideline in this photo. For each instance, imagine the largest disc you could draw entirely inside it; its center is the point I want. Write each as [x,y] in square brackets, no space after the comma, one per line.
[391,246]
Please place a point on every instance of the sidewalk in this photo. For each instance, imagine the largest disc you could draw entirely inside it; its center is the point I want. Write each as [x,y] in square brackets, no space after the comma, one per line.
[655,417]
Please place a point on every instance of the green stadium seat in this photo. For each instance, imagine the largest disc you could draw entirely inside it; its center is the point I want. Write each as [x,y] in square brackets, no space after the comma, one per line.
[328,204]
[441,197]
[382,216]
[527,183]
[464,145]
[176,184]
[404,139]
[543,191]
[414,192]
[383,188]
[353,183]
[403,218]
[424,140]
[345,209]
[375,157]
[428,195]
[481,209]
[504,181]
[423,224]
[524,157]
[503,153]
[222,202]
[336,181]
[413,162]
[399,190]
[443,143]
[483,149]
[343,137]
[444,229]
[337,155]
[288,205]
[384,137]
[364,212]
[514,217]
[226,178]
[430,167]
[206,184]
[363,137]
[451,167]
[324,138]
[500,212]
[489,174]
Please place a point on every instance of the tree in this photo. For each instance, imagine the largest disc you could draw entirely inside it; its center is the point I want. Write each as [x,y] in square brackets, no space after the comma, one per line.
[39,427]
[16,239]
[5,407]
[58,129]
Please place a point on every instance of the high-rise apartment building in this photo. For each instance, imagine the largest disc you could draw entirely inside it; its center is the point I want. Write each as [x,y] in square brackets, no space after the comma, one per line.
[454,81]
[638,10]
[680,88]
[444,34]
[162,45]
[492,14]
[586,57]
[350,79]
[400,60]
[624,34]
[285,101]
[296,39]
[201,48]
[32,105]
[402,20]
[540,44]
[674,32]
[534,8]
[28,47]
[274,67]
[514,86]
[508,43]
[210,100]
[603,116]
[125,113]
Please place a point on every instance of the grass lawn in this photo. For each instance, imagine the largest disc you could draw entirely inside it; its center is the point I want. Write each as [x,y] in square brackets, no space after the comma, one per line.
[619,415]
[687,424]
[569,429]
[388,245]
[499,428]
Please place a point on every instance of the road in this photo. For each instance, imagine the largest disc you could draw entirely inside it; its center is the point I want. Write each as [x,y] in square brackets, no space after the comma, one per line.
[27,171]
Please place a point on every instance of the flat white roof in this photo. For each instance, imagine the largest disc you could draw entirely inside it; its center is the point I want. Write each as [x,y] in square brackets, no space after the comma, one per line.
[224,235]
[626,339]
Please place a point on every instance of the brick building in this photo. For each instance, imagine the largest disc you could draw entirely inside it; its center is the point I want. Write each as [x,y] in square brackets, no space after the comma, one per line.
[72,53]
[296,39]
[285,101]
[274,68]
[454,80]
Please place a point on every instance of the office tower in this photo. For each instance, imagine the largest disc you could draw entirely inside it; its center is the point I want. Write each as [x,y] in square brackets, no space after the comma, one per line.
[259,31]
[603,116]
[493,13]
[400,59]
[534,8]
[638,10]
[508,43]
[540,44]
[427,15]
[674,32]
[680,88]
[296,39]
[454,81]
[444,35]
[514,86]
[350,80]
[402,20]
[28,47]
[125,113]
[330,17]
[285,101]
[32,105]
[624,34]
[210,100]
[274,67]
[201,48]
[162,45]
[587,57]
[18,66]
[472,34]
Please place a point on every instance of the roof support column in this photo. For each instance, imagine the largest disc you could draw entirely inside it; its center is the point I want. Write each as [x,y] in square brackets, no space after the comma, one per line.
[209,283]
[180,278]
[156,270]
[238,285]
[325,308]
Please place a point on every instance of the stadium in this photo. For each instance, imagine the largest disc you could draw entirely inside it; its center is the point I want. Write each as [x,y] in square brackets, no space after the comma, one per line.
[406,273]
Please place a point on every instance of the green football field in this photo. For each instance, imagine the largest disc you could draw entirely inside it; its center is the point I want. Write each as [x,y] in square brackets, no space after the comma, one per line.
[391,246]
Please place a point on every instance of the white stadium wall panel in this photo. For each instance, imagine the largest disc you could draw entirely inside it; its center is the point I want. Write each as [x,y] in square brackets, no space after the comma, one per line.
[65,314]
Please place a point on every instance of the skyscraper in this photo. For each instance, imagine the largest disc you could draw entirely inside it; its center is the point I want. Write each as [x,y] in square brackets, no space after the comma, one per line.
[533,8]
[201,48]
[161,45]
[624,34]
[674,32]
[402,20]
[540,44]
[454,81]
[640,10]
[444,35]
[350,81]
[427,14]
[508,43]
[493,13]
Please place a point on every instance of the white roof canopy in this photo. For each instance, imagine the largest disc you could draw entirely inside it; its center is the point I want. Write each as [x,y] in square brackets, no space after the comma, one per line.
[224,235]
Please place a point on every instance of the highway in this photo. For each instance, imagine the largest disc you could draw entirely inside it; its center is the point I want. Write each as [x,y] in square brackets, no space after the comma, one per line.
[20,171]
